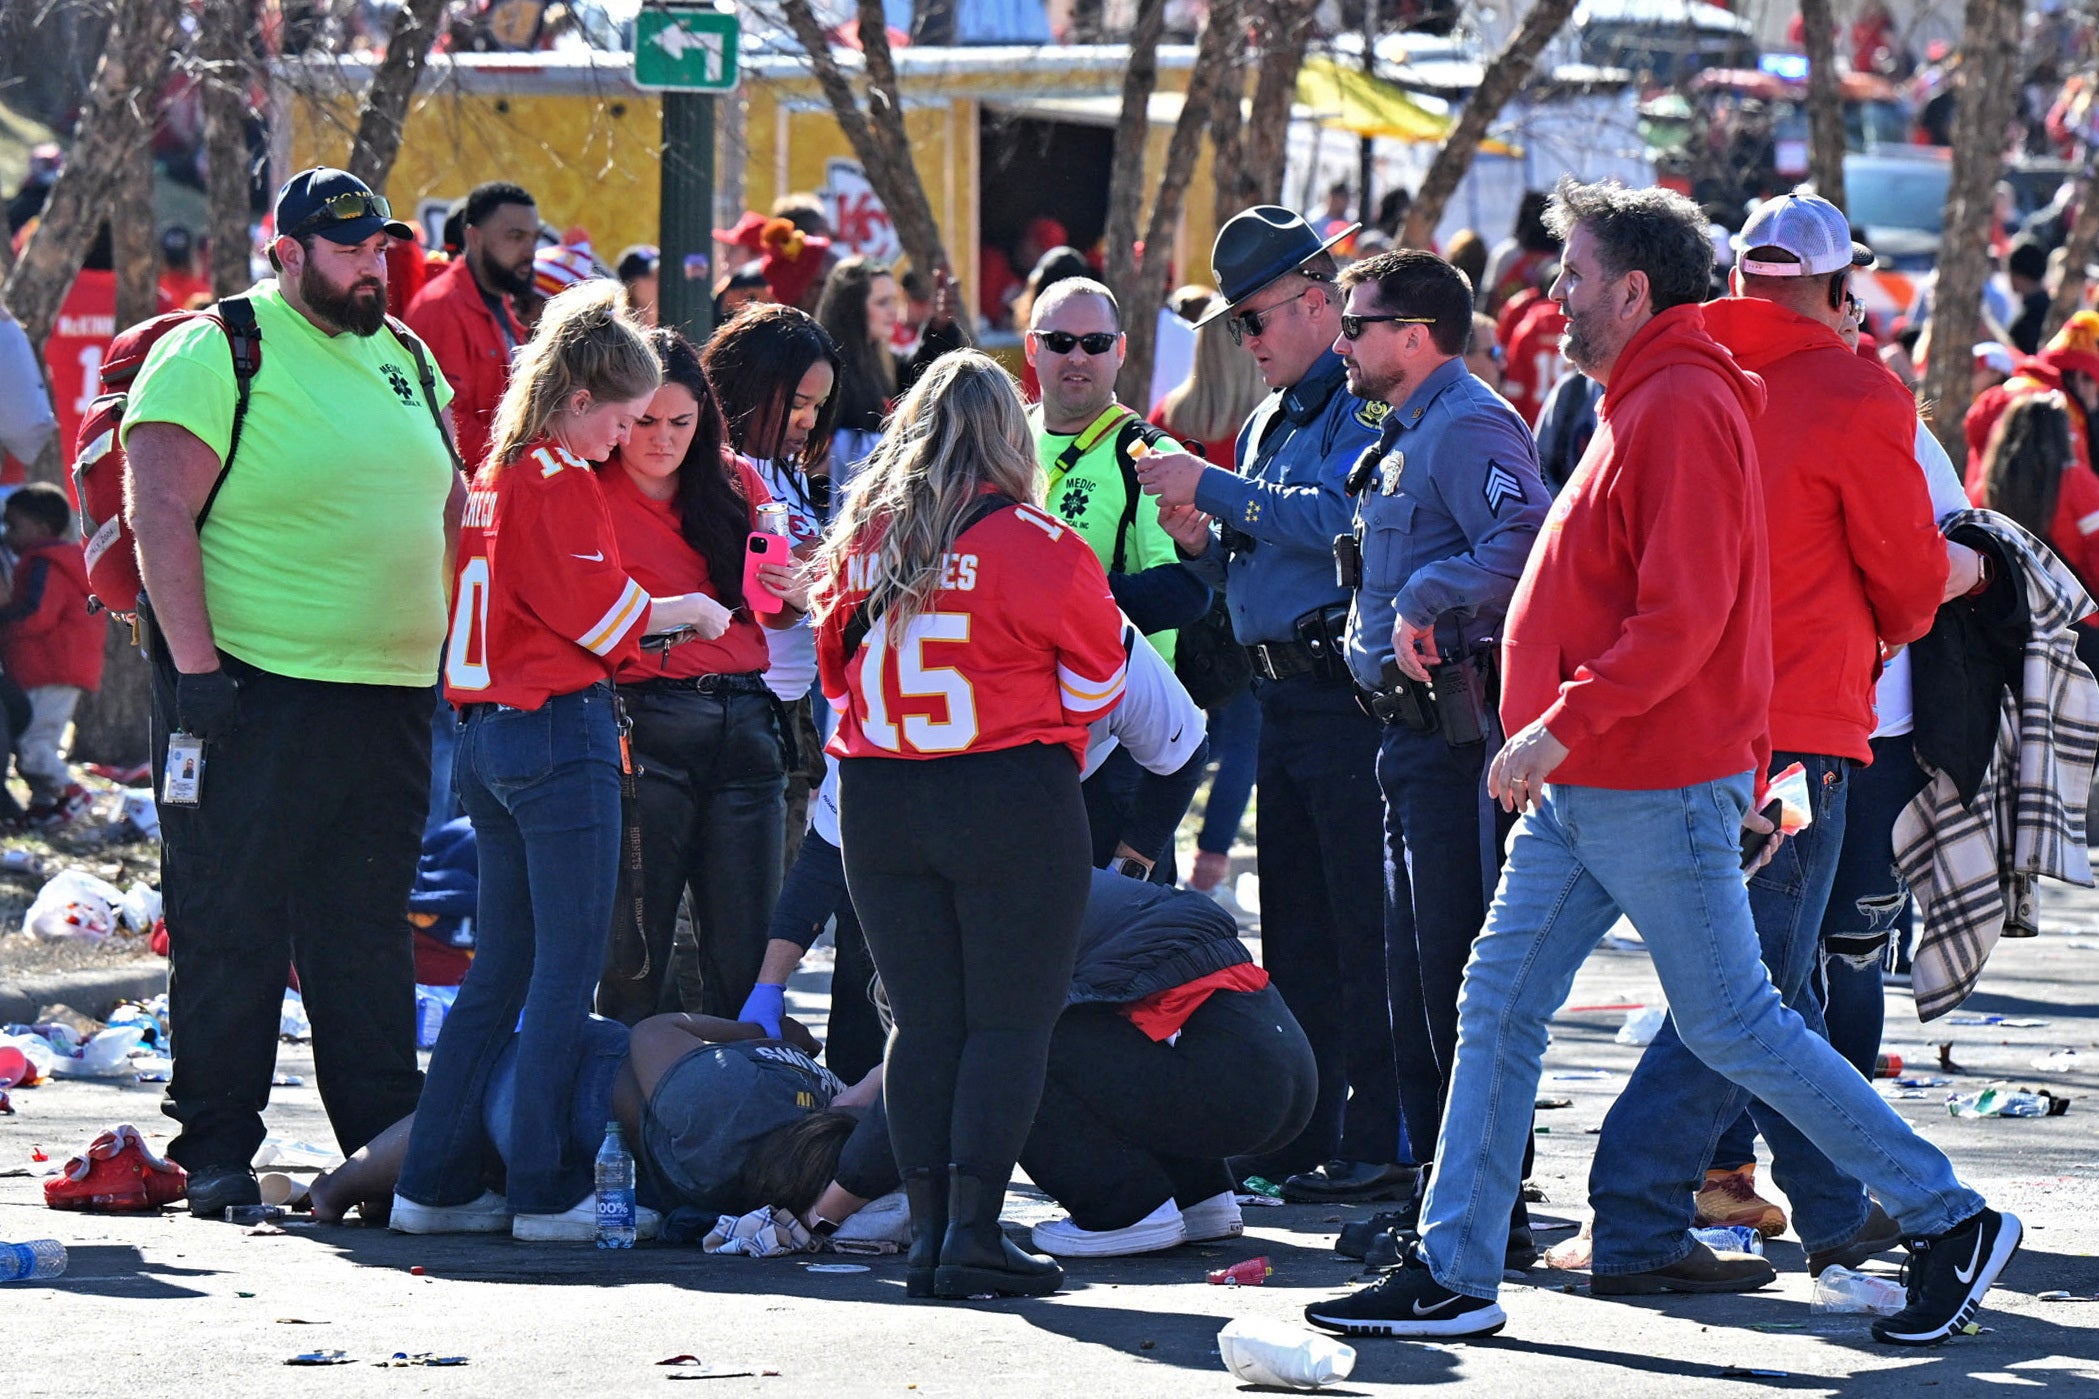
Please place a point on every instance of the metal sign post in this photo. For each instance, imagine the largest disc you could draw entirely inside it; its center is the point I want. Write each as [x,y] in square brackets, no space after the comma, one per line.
[689,53]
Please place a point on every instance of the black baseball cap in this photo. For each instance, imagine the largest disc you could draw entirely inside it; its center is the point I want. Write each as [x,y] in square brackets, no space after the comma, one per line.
[336,205]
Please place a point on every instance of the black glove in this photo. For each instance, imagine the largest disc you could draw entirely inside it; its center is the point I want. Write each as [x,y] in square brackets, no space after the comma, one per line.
[207,705]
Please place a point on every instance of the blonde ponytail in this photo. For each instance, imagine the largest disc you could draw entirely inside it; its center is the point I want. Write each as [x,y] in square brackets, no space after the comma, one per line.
[585,340]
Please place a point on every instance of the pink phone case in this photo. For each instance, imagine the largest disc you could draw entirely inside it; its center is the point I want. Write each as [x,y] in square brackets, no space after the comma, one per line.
[758,550]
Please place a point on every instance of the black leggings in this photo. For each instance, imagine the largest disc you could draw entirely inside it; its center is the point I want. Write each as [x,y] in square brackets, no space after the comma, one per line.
[970,874]
[1127,1122]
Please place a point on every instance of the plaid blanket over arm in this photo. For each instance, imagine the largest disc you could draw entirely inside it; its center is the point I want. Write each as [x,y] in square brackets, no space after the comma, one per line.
[1973,870]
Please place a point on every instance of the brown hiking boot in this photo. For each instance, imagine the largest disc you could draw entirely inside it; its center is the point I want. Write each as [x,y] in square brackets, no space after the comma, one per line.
[1878,1234]
[1729,1197]
[1703,1271]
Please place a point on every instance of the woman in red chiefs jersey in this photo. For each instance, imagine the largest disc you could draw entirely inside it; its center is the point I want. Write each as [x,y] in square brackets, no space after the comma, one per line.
[966,639]
[543,616]
[708,735]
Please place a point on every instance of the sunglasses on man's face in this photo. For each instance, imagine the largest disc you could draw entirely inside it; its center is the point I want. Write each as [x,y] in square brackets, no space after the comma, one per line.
[1063,342]
[1352,326]
[346,208]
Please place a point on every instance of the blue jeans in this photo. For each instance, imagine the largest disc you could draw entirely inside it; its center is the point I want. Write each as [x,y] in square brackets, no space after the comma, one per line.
[1670,861]
[1442,859]
[1235,736]
[1869,900]
[1670,1121]
[542,787]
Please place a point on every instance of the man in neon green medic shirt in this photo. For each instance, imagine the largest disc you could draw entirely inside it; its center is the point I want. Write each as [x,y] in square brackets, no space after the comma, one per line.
[296,580]
[1085,440]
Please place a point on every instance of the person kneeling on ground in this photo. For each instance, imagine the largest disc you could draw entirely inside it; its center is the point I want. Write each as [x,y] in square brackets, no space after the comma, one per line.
[1173,1053]
[721,1119]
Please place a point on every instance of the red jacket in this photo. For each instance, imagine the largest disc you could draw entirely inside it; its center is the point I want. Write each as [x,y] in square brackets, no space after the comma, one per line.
[1641,630]
[47,635]
[454,320]
[1856,555]
[2074,532]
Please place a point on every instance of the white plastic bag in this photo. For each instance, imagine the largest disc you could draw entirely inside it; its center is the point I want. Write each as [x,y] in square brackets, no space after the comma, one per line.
[139,908]
[107,1055]
[74,904]
[1262,1351]
[1642,1025]
[292,1023]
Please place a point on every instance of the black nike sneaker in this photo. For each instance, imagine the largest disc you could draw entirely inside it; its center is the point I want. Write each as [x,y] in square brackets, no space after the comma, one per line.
[1947,1275]
[1408,1301]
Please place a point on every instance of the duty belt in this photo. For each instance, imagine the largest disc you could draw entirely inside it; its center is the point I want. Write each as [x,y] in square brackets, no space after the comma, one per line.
[1279,660]
[742,683]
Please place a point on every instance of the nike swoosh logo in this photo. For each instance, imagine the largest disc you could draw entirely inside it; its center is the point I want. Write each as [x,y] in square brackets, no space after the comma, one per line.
[598,557]
[1420,1310]
[1176,736]
[1967,1274]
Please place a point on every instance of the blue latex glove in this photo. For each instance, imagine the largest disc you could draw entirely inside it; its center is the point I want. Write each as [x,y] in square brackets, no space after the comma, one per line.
[765,1006]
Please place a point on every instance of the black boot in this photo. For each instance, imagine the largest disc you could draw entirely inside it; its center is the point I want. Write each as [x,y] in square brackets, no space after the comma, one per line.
[976,1257]
[926,1188]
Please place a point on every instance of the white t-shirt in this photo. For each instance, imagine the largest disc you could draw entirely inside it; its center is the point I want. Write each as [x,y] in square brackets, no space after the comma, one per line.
[792,672]
[1891,696]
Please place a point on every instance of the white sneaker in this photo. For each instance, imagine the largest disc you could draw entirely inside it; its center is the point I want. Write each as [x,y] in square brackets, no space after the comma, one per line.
[488,1215]
[1213,1219]
[1161,1228]
[578,1224]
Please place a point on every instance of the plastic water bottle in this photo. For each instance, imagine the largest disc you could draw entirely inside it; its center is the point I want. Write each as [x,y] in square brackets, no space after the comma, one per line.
[1263,1351]
[615,1191]
[1845,1290]
[33,1261]
[1995,1102]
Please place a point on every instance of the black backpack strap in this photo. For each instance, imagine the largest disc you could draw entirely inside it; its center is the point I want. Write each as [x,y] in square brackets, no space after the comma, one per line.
[428,377]
[236,316]
[870,610]
[1134,430]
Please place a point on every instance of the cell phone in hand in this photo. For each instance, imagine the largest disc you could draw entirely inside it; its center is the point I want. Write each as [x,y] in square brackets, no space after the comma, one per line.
[1753,842]
[759,550]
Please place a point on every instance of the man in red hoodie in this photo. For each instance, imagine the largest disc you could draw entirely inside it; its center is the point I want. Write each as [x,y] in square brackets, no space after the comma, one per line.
[1860,566]
[465,316]
[1636,686]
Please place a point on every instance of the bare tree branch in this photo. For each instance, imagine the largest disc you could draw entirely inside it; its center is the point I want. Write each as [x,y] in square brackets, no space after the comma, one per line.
[224,48]
[1132,133]
[877,133]
[1285,30]
[386,103]
[1988,88]
[1504,78]
[127,79]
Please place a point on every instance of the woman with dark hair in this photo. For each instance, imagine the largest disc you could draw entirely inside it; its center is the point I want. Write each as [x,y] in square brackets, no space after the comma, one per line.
[721,1119]
[2031,472]
[709,740]
[860,308]
[775,373]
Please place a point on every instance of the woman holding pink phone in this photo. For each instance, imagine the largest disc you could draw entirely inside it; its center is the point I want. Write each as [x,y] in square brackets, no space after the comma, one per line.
[709,738]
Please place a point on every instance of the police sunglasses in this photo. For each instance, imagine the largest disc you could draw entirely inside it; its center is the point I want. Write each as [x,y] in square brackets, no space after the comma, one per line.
[345,208]
[1352,326]
[1063,342]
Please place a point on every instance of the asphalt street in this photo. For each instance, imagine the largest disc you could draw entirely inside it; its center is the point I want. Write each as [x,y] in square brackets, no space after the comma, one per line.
[168,1305]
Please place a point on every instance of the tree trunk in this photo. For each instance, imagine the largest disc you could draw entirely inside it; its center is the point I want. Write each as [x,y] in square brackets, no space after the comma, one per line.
[1825,105]
[1988,87]
[1126,166]
[111,724]
[1286,28]
[134,234]
[1504,78]
[223,49]
[1145,290]
[134,62]
[1227,125]
[877,133]
[385,109]
[2077,248]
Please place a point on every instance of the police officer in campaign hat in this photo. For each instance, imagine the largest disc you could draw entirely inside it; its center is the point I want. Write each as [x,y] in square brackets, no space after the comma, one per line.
[1319,812]
[1447,506]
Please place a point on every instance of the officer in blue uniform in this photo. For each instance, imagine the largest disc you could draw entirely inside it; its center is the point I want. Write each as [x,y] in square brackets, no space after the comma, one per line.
[1448,505]
[1322,922]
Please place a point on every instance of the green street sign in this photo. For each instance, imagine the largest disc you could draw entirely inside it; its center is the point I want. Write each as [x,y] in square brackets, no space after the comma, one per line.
[686,48]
